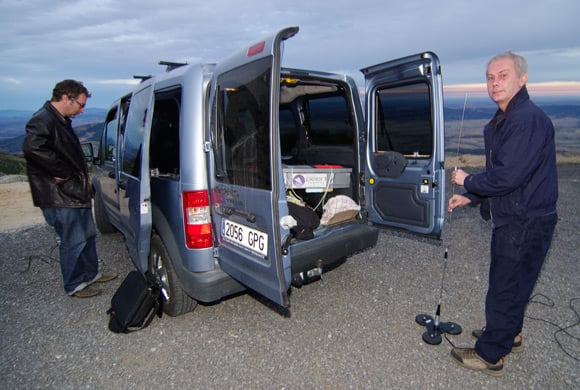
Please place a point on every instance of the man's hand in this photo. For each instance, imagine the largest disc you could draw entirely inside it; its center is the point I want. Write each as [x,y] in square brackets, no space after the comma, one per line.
[458,177]
[60,179]
[457,201]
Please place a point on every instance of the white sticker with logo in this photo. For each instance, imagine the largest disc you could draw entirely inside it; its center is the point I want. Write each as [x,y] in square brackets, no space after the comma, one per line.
[144,208]
[310,180]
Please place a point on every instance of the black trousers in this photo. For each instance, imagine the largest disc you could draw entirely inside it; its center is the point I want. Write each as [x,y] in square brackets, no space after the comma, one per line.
[518,250]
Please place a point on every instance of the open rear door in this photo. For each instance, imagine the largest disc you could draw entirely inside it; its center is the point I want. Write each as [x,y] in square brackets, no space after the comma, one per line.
[405,176]
[248,194]
[134,183]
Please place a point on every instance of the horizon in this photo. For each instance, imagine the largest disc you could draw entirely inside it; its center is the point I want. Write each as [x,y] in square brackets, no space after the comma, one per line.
[549,89]
[563,110]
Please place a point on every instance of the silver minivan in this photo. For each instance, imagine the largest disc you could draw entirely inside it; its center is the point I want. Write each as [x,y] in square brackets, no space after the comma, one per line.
[247,175]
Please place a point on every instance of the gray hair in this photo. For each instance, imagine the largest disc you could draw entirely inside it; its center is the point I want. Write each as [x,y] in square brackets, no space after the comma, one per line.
[520,62]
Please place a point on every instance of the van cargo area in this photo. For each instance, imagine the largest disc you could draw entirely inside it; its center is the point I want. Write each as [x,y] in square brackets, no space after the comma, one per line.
[318,140]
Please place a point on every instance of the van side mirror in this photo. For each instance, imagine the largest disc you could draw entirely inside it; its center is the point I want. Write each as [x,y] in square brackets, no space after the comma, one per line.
[88,152]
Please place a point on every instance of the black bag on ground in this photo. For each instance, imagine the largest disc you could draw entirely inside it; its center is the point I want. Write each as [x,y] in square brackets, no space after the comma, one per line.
[134,304]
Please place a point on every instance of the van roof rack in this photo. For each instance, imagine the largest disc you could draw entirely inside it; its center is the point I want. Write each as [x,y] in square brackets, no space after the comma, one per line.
[142,78]
[172,65]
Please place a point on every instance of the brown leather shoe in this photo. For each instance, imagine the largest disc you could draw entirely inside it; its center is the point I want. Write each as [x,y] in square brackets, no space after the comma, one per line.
[107,277]
[468,358]
[86,292]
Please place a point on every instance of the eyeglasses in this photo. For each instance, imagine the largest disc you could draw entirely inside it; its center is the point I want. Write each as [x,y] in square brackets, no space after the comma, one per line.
[82,105]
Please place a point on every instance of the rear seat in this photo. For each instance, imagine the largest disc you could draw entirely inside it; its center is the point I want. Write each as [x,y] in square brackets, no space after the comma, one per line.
[336,155]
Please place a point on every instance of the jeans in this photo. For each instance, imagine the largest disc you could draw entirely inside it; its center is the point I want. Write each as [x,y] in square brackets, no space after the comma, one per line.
[518,250]
[76,233]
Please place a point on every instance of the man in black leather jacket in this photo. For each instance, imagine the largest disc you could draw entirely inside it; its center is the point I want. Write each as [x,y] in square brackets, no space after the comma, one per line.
[59,182]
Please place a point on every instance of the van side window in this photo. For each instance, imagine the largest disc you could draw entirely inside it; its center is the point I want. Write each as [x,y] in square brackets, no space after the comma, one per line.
[403,122]
[164,144]
[109,146]
[288,131]
[134,128]
[243,131]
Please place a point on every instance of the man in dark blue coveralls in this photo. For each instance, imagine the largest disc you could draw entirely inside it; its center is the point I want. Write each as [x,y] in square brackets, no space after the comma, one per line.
[518,190]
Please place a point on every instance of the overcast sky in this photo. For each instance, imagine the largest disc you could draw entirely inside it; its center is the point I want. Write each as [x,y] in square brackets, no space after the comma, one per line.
[105,42]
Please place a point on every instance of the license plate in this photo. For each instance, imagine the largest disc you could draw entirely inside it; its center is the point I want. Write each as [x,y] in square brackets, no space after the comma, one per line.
[245,237]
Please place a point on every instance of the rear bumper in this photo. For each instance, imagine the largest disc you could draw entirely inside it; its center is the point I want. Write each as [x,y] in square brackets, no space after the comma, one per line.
[210,286]
[328,248]
[331,245]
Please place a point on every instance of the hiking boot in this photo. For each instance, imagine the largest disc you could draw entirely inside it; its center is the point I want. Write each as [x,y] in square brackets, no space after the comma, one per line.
[518,345]
[86,292]
[468,358]
[107,277]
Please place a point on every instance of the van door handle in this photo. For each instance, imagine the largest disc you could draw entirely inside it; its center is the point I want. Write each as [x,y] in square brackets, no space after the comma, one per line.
[249,217]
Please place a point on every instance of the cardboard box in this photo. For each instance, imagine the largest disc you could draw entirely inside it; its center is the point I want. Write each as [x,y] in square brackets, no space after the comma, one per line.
[342,216]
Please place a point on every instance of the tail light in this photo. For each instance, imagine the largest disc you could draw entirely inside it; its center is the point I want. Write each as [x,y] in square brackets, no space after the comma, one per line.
[197,219]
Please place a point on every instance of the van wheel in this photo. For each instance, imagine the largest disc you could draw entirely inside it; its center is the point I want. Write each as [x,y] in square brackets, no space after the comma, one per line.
[175,300]
[101,220]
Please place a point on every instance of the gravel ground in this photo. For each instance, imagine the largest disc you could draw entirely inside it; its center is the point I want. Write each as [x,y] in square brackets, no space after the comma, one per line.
[354,329]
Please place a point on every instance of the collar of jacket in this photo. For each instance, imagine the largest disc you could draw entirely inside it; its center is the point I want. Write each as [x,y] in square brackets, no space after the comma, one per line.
[50,108]
[519,98]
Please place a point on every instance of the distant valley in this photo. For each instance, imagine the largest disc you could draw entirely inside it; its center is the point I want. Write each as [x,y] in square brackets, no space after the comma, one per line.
[88,126]
[564,112]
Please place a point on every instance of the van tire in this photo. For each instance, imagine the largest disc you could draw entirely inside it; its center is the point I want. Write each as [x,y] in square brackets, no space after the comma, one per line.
[176,301]
[101,220]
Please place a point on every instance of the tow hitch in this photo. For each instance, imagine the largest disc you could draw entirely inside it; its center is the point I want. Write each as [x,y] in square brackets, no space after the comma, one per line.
[309,276]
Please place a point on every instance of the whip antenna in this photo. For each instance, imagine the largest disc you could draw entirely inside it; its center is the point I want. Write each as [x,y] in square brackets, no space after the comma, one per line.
[458,147]
[435,328]
[460,132]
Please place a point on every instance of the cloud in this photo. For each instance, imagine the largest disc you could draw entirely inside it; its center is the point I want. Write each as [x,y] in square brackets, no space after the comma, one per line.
[112,40]
[10,80]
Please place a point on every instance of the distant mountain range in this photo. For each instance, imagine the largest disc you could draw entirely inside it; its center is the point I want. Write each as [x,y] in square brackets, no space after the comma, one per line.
[88,127]
[564,112]
[12,122]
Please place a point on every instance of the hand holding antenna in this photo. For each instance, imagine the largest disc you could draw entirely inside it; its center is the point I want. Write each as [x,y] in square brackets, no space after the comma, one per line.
[458,176]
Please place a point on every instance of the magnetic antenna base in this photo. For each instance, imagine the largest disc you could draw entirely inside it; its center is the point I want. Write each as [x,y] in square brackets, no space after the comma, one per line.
[433,334]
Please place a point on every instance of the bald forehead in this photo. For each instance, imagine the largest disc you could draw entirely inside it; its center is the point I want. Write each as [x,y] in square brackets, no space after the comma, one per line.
[501,65]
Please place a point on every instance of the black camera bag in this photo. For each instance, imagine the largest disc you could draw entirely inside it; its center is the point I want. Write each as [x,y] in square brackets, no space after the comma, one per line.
[133,306]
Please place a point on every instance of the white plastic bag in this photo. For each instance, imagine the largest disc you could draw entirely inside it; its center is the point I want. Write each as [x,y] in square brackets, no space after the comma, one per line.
[339,208]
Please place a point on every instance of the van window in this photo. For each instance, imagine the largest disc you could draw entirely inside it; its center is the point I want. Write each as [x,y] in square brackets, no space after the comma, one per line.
[243,128]
[109,144]
[134,128]
[164,144]
[403,122]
